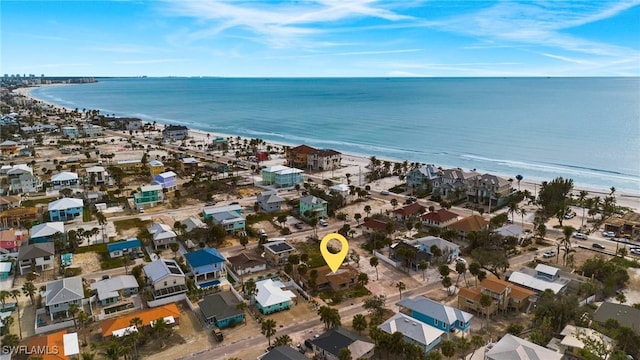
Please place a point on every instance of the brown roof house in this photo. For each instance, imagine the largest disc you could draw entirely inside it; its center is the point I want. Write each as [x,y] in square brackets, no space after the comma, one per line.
[246,263]
[344,278]
[628,224]
[469,224]
[440,218]
[408,211]
[505,296]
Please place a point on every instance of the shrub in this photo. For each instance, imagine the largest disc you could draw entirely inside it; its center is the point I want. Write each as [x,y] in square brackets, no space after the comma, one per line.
[515,328]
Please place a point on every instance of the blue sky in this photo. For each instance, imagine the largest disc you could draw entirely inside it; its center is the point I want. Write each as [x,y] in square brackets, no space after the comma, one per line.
[326,38]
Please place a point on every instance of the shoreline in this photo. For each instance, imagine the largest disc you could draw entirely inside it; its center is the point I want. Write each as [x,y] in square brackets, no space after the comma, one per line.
[624,198]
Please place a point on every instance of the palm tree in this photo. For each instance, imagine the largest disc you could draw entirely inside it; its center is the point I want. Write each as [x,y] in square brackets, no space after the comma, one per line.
[83,318]
[359,323]
[329,316]
[400,286]
[448,348]
[268,329]
[10,340]
[344,354]
[567,231]
[7,322]
[15,293]
[423,265]
[161,328]
[137,322]
[367,210]
[581,197]
[374,262]
[476,342]
[74,309]
[461,269]
[3,297]
[485,302]
[112,349]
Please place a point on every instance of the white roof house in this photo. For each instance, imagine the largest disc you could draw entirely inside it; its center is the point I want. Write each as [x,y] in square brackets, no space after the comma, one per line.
[270,293]
[513,348]
[158,228]
[65,203]
[164,235]
[64,176]
[109,288]
[532,282]
[19,169]
[413,329]
[95,169]
[150,188]
[155,163]
[210,211]
[574,337]
[47,229]
[546,269]
[167,174]
[162,268]
[70,344]
[340,188]
[193,223]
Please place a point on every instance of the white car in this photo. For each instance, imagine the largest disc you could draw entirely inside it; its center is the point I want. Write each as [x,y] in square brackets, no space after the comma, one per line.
[549,254]
[608,234]
[461,260]
[635,251]
[323,222]
[580,236]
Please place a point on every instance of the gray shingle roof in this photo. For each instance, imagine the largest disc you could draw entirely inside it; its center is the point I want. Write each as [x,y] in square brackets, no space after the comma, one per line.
[626,315]
[34,251]
[220,306]
[64,290]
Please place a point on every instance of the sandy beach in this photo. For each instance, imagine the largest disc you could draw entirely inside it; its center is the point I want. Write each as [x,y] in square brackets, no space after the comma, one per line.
[356,165]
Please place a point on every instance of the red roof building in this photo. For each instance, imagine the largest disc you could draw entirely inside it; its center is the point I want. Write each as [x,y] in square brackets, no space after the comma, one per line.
[440,218]
[405,212]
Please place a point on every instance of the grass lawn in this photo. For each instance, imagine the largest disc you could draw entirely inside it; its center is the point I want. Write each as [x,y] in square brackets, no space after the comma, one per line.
[123,225]
[313,250]
[86,215]
[34,202]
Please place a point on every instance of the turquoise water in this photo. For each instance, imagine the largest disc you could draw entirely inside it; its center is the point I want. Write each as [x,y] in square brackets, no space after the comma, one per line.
[587,129]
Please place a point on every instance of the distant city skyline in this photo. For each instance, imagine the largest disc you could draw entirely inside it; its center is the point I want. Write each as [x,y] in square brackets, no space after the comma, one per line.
[360,38]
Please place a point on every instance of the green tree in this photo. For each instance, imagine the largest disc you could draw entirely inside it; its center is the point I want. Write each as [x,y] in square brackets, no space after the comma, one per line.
[74,309]
[374,262]
[10,340]
[401,287]
[363,279]
[329,316]
[15,293]
[344,354]
[461,269]
[282,340]
[446,283]
[359,323]
[448,348]
[485,302]
[268,329]
[476,342]
[423,265]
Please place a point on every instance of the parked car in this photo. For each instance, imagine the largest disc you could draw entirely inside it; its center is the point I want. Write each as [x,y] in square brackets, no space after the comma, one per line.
[210,203]
[461,260]
[549,254]
[635,251]
[298,226]
[580,236]
[569,215]
[608,234]
[261,232]
[384,192]
[323,222]
[598,246]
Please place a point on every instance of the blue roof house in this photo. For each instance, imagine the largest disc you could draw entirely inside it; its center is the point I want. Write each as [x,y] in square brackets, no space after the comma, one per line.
[207,267]
[119,248]
[436,314]
[65,209]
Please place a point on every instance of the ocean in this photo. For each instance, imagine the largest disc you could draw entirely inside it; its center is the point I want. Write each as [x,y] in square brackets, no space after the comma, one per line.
[587,129]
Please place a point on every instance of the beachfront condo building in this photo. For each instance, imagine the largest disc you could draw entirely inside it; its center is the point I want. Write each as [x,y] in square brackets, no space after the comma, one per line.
[280,176]
[175,133]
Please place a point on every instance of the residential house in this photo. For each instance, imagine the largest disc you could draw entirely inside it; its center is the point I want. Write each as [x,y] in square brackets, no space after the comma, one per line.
[453,183]
[283,352]
[166,179]
[162,235]
[543,277]
[155,167]
[148,196]
[412,262]
[490,190]
[298,156]
[324,159]
[219,143]
[207,267]
[436,314]
[281,176]
[64,179]
[97,175]
[46,232]
[11,240]
[572,341]
[505,296]
[175,132]
[269,201]
[15,217]
[166,278]
[60,294]
[230,217]
[421,178]
[124,247]
[468,225]
[70,132]
[5,269]
[373,225]
[35,257]
[342,190]
[25,152]
[270,296]
[90,130]
[328,345]
[22,180]
[59,345]
[448,249]
[246,263]
[129,165]
[121,326]
[407,212]
[344,278]
[221,310]
[189,165]
[277,252]
[216,168]
[113,290]
[626,315]
[313,205]
[193,223]
[10,202]
[440,218]
[514,348]
[65,209]
[131,124]
[8,147]
[413,331]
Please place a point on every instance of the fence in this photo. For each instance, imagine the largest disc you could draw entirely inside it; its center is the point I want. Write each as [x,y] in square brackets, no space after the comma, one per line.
[588,300]
[386,259]
[168,300]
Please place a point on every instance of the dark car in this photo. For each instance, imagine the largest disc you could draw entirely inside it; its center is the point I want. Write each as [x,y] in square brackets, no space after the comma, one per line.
[298,226]
[598,246]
